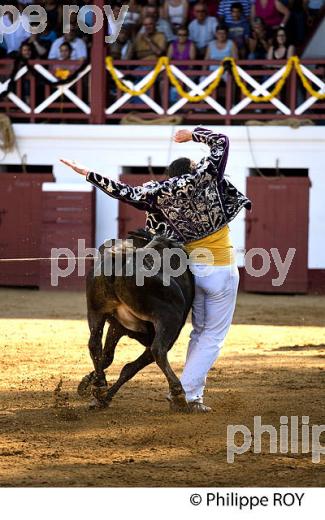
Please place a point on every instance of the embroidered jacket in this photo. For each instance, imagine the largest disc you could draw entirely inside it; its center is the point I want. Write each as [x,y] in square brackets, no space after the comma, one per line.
[190,206]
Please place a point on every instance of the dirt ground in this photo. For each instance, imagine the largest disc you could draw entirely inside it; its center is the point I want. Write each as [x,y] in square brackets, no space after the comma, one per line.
[272,365]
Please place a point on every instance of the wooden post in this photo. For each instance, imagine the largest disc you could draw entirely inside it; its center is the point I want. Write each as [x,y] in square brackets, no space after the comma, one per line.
[98,72]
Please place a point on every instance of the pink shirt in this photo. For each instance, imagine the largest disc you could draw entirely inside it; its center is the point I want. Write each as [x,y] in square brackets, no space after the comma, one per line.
[269,13]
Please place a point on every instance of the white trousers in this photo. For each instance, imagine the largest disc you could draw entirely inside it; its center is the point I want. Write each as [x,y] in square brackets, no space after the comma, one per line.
[212,312]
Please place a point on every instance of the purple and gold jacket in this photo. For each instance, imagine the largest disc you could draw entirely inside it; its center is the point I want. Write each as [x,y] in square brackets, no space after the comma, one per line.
[188,207]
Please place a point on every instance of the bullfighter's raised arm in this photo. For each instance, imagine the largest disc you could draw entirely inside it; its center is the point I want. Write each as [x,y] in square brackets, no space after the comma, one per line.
[219,147]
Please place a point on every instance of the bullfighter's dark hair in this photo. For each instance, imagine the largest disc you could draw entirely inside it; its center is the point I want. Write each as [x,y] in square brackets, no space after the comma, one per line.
[179,167]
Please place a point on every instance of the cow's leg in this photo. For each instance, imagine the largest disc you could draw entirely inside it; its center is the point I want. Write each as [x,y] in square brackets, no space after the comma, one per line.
[164,340]
[96,324]
[114,333]
[129,371]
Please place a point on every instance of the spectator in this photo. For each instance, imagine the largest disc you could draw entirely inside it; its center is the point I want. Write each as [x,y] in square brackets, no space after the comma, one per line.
[149,44]
[258,42]
[280,50]
[210,6]
[62,72]
[26,52]
[176,12]
[202,29]
[238,29]
[220,48]
[12,41]
[273,13]
[79,48]
[162,25]
[224,11]
[182,48]
[133,16]
[122,49]
[42,42]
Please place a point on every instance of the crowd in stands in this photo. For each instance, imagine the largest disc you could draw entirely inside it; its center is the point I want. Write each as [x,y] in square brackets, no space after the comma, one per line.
[181,29]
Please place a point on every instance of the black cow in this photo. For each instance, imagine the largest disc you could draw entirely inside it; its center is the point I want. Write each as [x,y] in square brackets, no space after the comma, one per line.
[153,314]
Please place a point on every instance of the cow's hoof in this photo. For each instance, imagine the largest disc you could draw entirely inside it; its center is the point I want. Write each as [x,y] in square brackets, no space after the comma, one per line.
[100,392]
[85,386]
[178,403]
[95,404]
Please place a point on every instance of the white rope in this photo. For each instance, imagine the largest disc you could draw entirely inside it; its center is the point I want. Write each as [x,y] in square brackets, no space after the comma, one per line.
[46,258]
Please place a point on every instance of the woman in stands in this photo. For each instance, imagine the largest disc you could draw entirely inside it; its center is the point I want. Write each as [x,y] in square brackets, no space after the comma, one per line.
[281,49]
[220,48]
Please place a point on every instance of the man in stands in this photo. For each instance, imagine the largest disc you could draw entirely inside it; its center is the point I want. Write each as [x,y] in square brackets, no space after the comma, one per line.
[13,40]
[202,29]
[162,25]
[149,44]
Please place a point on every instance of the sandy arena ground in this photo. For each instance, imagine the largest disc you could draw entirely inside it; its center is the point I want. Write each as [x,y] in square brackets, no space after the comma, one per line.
[273,364]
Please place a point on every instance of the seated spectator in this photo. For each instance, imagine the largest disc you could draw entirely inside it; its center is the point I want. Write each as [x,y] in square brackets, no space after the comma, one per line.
[149,44]
[281,49]
[224,10]
[238,29]
[259,41]
[182,48]
[79,48]
[202,29]
[221,47]
[12,41]
[176,12]
[273,13]
[43,41]
[210,6]
[133,16]
[162,25]
[26,52]
[62,72]
[122,49]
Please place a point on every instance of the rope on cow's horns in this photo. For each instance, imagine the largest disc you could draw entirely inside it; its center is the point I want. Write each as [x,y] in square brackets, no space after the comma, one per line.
[163,62]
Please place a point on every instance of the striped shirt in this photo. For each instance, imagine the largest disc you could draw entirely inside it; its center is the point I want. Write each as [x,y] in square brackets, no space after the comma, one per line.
[225,8]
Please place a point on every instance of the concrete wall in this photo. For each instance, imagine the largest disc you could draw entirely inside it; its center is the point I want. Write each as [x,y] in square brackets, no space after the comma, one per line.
[315,48]
[106,149]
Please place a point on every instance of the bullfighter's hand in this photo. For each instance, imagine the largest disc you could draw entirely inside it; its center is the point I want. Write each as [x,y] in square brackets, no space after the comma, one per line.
[77,167]
[182,136]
